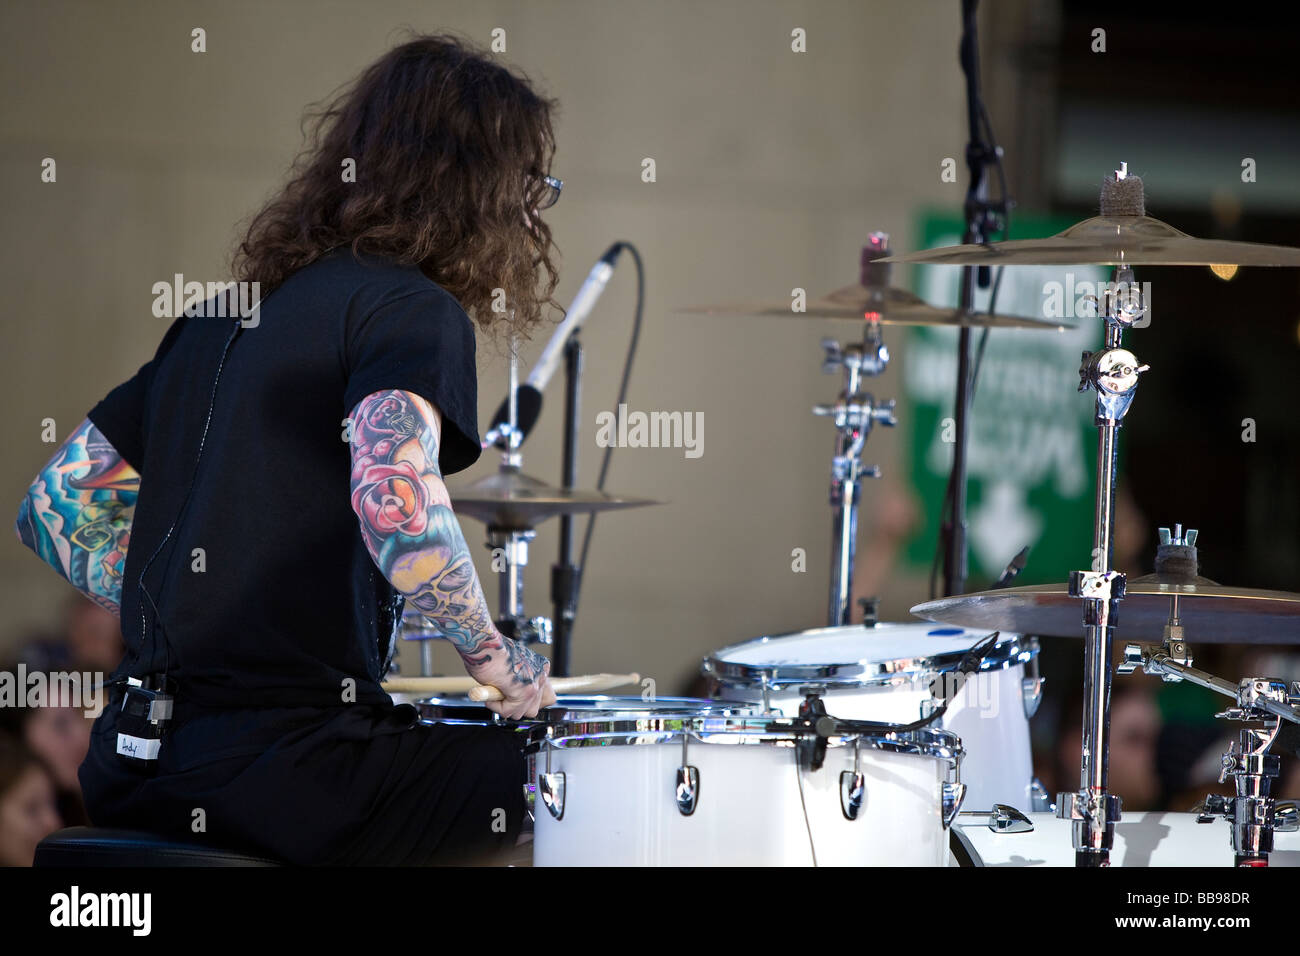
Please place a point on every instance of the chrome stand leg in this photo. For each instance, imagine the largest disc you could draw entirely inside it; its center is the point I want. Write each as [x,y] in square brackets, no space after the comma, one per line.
[854,413]
[1113,372]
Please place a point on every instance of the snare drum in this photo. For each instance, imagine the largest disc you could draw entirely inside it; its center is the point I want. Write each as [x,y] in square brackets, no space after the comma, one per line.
[885,673]
[644,788]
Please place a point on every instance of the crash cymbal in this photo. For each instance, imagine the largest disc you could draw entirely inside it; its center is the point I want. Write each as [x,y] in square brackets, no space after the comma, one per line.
[890,306]
[1122,235]
[511,499]
[1211,613]
[1111,241]
[873,298]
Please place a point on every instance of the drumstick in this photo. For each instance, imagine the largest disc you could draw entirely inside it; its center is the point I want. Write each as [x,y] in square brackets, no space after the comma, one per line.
[481,692]
[564,685]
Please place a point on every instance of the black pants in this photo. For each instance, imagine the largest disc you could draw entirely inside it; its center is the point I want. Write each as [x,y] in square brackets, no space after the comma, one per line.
[351,785]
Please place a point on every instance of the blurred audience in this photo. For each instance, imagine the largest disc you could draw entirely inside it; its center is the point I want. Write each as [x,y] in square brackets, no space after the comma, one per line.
[57,735]
[27,809]
[1135,725]
[94,638]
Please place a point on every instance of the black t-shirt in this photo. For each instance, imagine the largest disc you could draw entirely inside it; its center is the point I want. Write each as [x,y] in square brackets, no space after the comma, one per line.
[283,603]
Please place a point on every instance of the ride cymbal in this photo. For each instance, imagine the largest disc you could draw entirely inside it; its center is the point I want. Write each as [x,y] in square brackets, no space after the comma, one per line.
[1110,241]
[1123,235]
[1210,613]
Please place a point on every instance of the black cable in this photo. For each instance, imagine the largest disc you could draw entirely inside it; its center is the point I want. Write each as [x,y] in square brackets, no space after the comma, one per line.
[1005,204]
[185,504]
[622,398]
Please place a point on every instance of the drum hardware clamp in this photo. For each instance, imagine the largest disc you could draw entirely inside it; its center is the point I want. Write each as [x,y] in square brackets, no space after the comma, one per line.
[1254,811]
[1003,818]
[812,748]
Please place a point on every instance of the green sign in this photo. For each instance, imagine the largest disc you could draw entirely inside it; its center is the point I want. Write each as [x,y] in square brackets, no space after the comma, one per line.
[1032,448]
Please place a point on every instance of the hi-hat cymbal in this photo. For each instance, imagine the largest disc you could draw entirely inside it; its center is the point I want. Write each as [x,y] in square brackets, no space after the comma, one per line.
[1211,613]
[511,499]
[1110,241]
[888,305]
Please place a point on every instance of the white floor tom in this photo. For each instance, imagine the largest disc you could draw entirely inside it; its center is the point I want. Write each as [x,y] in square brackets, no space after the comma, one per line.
[890,672]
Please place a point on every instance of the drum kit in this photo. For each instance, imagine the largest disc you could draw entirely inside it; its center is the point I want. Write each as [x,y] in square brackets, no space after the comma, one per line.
[875,743]
[860,743]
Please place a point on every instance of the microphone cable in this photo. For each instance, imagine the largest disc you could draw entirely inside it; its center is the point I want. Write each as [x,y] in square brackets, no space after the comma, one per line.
[622,399]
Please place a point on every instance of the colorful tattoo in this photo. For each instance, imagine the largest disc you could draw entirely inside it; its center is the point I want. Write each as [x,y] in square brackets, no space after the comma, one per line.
[77,515]
[412,533]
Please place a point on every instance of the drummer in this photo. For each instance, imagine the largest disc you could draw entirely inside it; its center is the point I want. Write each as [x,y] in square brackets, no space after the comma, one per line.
[258,563]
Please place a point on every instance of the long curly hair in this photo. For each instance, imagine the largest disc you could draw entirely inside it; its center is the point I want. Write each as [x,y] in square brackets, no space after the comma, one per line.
[450,148]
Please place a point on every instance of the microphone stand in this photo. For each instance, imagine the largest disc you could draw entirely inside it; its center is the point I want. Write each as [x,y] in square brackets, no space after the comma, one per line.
[564,573]
[982,218]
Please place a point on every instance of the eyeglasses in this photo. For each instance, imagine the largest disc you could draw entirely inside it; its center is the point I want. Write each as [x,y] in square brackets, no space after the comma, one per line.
[551,195]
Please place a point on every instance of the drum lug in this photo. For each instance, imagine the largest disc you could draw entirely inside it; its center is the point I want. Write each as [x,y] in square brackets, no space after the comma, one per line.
[688,781]
[954,793]
[688,789]
[853,789]
[853,786]
[552,787]
[1031,688]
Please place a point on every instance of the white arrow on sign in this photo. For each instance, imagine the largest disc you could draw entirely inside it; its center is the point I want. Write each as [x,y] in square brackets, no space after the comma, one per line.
[1001,525]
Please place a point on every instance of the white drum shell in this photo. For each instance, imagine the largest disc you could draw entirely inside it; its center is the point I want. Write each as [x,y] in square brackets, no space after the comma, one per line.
[988,712]
[620,808]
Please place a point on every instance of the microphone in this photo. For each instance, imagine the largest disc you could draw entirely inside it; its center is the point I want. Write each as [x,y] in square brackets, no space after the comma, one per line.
[529,395]
[1015,567]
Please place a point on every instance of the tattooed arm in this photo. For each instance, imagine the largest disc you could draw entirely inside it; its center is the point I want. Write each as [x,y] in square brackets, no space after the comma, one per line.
[415,540]
[77,515]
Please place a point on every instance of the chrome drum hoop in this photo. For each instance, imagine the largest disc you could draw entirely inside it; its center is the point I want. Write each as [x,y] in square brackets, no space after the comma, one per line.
[1010,651]
[738,730]
[463,711]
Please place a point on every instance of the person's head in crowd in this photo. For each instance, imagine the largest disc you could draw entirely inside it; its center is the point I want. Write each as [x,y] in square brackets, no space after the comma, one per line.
[1134,732]
[27,809]
[58,733]
[94,637]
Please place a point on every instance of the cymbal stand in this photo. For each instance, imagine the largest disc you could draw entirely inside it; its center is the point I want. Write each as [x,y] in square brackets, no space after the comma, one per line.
[512,543]
[854,413]
[1113,373]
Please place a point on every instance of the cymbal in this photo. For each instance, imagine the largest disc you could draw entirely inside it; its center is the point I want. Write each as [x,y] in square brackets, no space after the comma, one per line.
[1110,241]
[510,499]
[888,305]
[1210,612]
